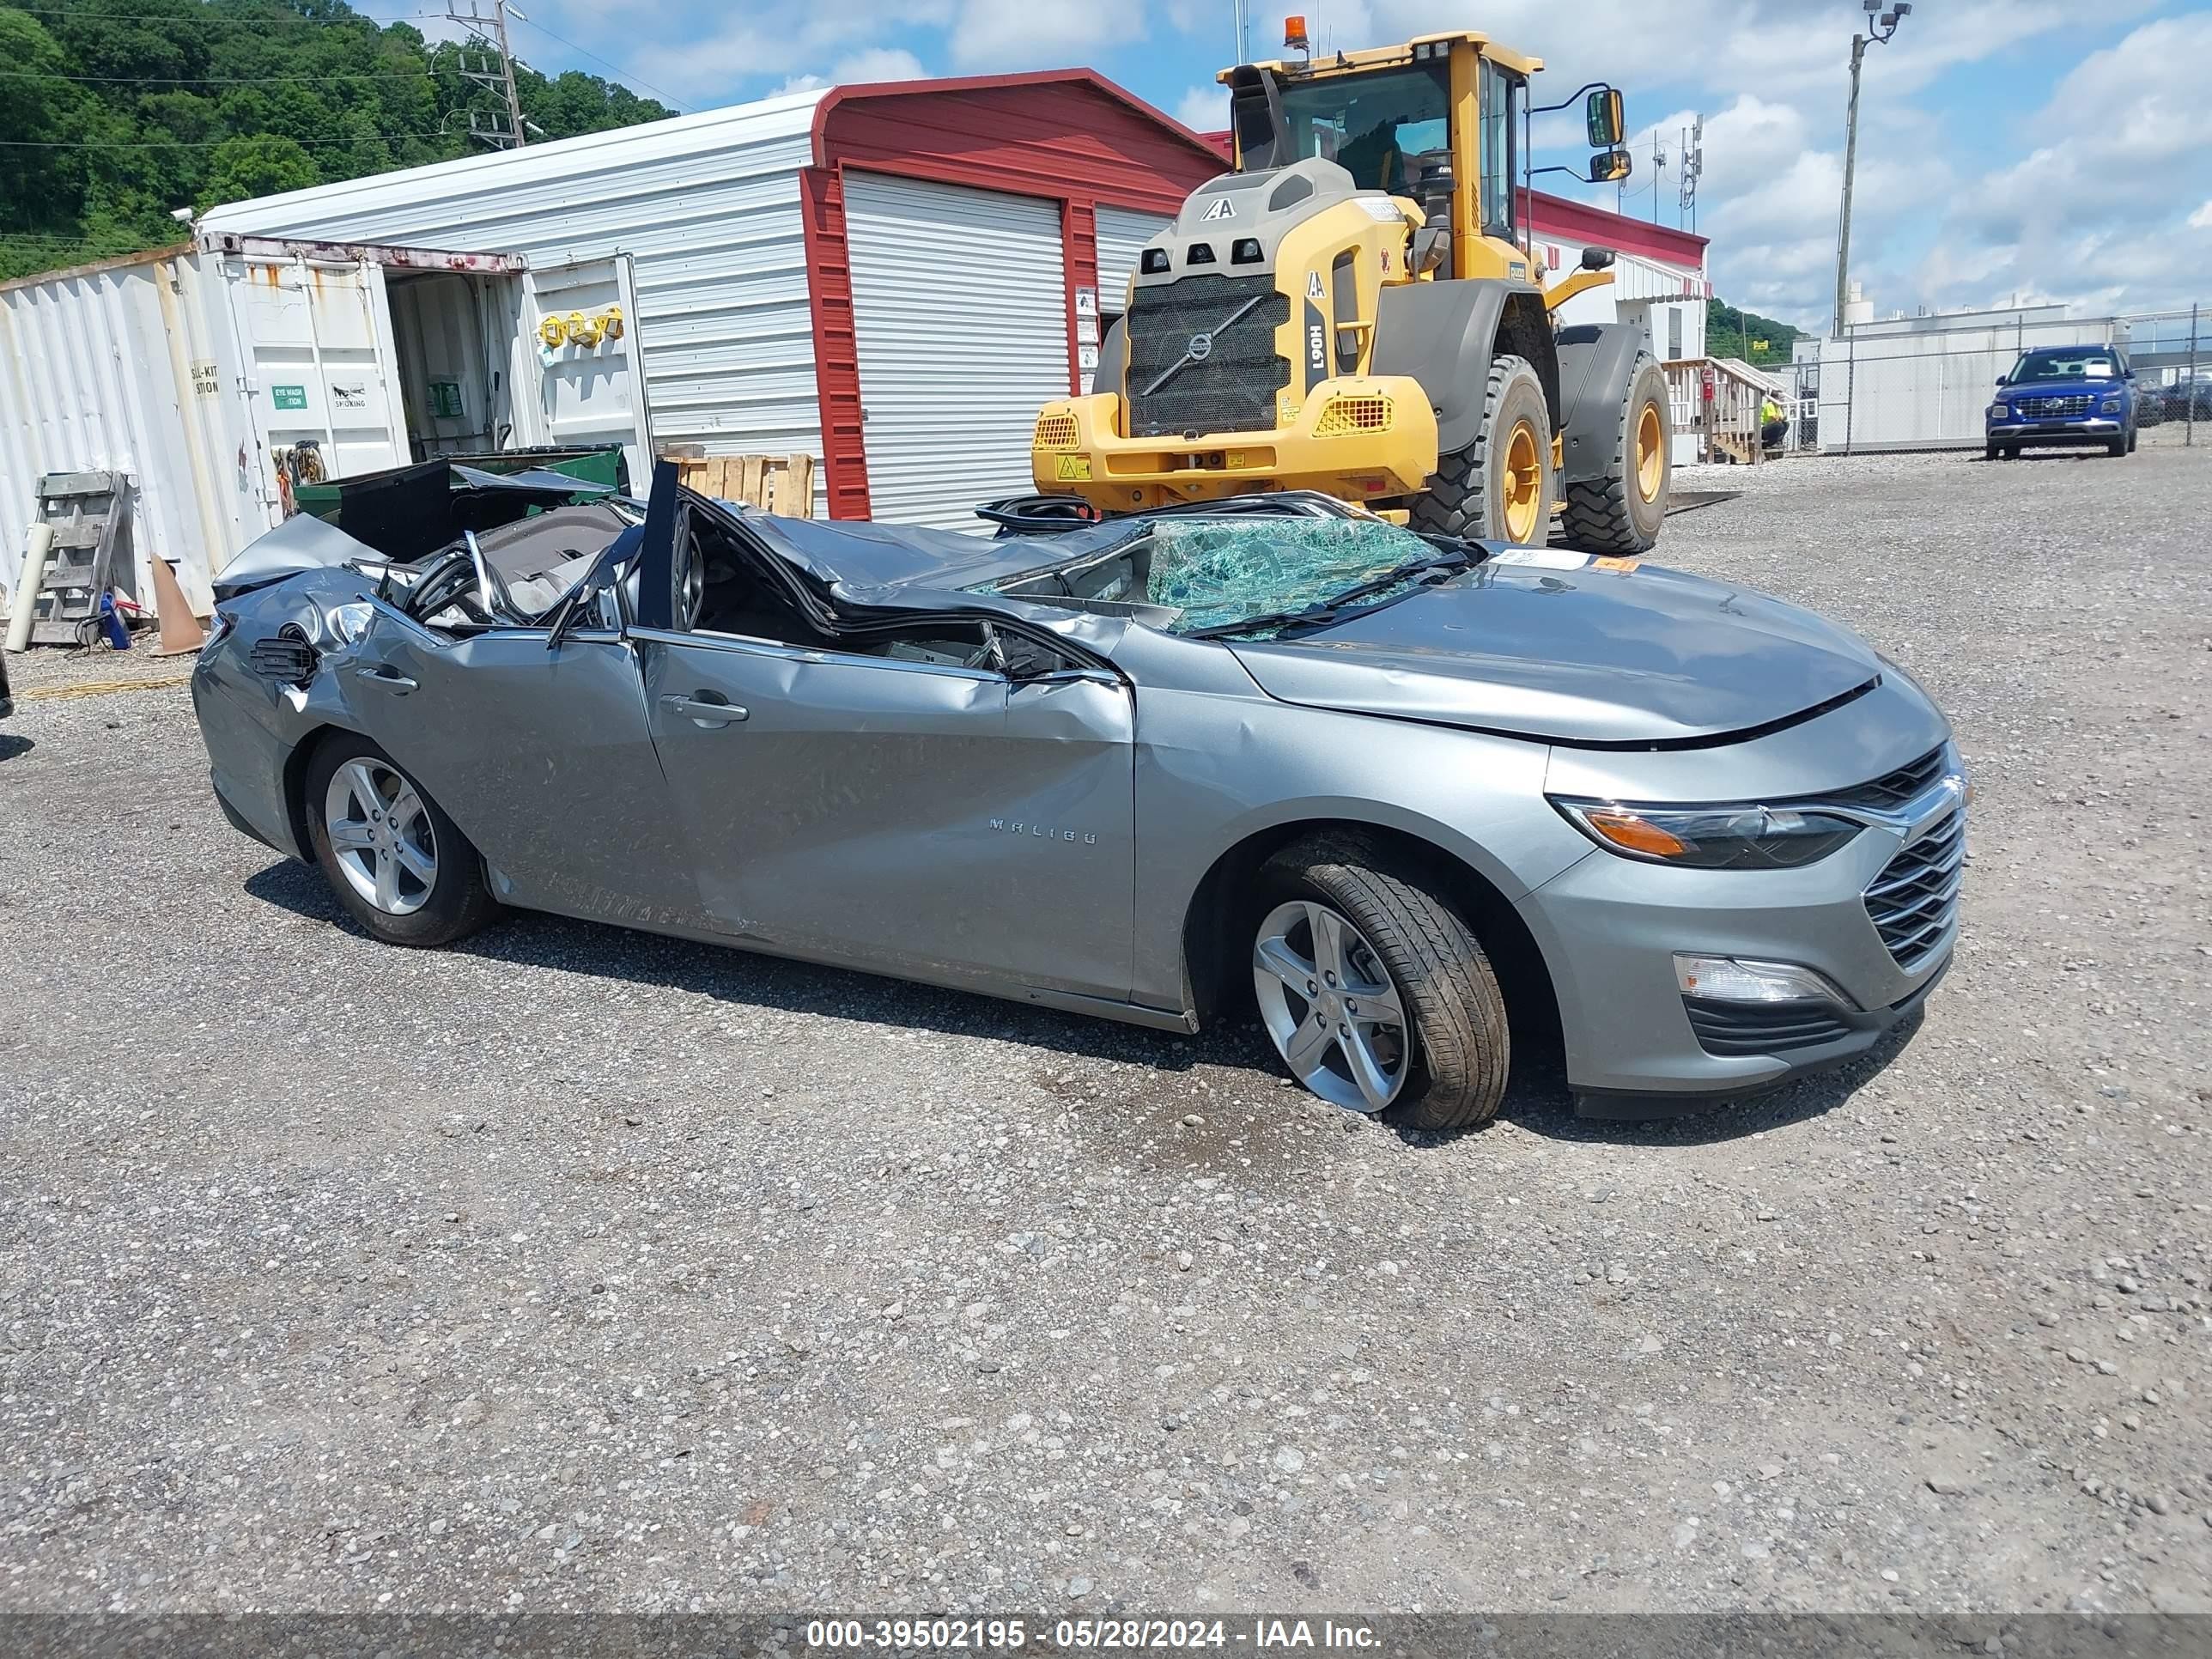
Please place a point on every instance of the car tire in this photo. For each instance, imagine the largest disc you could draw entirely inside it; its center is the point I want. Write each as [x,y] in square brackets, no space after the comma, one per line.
[1446,1065]
[2131,440]
[1624,511]
[2117,447]
[1477,492]
[399,864]
[1988,452]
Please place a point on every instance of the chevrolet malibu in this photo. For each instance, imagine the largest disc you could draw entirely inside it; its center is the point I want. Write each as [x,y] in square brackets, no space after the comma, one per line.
[1401,796]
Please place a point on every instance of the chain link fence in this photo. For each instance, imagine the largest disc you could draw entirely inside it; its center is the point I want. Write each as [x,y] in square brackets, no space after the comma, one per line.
[1920,384]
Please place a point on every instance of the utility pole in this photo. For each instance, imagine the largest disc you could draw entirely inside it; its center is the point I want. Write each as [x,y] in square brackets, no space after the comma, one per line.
[490,30]
[1886,23]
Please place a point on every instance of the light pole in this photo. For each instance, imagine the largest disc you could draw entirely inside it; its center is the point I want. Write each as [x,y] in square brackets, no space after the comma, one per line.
[1887,24]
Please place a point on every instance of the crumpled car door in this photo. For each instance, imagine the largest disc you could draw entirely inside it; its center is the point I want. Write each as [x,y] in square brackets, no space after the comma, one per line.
[947,822]
[542,757]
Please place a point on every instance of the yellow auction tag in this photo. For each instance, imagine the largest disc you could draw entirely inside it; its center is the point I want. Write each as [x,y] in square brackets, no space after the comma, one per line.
[1621,565]
[1075,469]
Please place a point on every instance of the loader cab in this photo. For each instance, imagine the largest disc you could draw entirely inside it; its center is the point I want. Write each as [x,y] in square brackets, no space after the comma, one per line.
[1438,120]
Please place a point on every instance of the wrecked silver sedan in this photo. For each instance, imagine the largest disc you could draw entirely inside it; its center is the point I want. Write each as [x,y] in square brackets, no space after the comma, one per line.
[1409,800]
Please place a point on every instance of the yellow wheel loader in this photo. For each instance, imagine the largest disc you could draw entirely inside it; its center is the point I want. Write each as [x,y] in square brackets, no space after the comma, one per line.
[1355,310]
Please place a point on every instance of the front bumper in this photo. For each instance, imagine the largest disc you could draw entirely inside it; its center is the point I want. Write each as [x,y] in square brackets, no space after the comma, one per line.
[1367,437]
[1610,928]
[2065,430]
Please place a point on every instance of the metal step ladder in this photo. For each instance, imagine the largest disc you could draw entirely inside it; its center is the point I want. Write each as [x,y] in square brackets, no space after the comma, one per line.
[90,513]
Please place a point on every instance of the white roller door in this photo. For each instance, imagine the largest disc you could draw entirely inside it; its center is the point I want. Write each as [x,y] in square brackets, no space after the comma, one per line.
[960,316]
[1122,234]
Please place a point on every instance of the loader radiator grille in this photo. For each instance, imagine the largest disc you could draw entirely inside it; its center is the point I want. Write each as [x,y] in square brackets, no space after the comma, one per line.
[1345,415]
[1055,432]
[1191,369]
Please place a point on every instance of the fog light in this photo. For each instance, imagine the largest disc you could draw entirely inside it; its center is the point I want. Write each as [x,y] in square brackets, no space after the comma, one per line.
[1726,979]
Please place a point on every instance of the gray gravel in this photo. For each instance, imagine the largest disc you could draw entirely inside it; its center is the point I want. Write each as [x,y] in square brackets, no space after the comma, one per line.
[576,1268]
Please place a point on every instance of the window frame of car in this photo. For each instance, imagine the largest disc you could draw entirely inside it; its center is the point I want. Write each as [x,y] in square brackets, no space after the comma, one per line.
[1078,661]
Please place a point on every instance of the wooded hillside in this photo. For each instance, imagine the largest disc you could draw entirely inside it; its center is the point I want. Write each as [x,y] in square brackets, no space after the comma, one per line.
[1733,333]
[112,113]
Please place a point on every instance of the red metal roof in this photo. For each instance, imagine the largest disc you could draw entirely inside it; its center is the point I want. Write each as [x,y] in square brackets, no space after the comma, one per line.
[1564,221]
[1067,133]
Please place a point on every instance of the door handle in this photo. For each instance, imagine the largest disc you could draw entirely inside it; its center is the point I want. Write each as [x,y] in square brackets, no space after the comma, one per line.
[706,713]
[385,679]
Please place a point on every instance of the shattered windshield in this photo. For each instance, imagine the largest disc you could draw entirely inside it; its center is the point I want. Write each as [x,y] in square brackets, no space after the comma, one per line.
[1256,576]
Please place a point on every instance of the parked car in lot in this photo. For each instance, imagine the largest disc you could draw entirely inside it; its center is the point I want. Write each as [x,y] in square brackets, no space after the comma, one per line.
[1402,796]
[2063,395]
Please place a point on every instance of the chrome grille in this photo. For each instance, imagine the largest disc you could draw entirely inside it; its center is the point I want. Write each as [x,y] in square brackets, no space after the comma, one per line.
[1915,899]
[1894,789]
[2070,405]
[1232,387]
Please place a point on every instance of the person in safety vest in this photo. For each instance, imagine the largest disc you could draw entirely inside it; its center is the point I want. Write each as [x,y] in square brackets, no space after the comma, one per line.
[1773,424]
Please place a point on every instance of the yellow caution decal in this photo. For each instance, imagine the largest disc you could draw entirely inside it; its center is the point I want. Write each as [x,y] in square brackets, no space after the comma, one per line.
[1074,469]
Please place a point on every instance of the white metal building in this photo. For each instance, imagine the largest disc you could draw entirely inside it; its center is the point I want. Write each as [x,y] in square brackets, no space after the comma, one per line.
[891,278]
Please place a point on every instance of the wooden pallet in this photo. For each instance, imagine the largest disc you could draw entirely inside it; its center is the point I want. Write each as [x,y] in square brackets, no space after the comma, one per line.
[782,484]
[90,513]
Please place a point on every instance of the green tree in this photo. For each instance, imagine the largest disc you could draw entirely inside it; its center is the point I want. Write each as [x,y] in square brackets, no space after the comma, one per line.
[115,112]
[241,168]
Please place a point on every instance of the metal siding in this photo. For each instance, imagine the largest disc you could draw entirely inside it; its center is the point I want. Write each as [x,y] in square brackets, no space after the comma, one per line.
[960,314]
[1123,234]
[708,208]
[89,385]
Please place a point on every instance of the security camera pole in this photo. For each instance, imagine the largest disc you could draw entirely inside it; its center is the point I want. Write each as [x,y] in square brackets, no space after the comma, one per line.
[1886,23]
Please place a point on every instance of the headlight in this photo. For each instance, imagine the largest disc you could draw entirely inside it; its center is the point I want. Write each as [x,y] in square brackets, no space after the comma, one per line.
[1746,837]
[2000,412]
[2111,405]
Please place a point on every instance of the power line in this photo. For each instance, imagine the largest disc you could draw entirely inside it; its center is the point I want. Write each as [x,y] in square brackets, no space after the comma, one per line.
[262,22]
[490,33]
[594,57]
[216,80]
[202,144]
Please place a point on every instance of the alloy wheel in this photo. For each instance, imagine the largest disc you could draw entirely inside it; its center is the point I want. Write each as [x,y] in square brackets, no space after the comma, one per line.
[381,837]
[1326,1000]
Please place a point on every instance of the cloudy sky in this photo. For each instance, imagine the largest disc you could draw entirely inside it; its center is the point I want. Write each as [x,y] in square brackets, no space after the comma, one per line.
[2052,148]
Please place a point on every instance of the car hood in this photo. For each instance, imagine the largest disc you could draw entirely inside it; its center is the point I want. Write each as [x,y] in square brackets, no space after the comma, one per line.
[2063,388]
[1615,653]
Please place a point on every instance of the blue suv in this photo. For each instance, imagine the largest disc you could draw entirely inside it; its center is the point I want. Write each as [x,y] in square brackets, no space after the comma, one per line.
[2064,395]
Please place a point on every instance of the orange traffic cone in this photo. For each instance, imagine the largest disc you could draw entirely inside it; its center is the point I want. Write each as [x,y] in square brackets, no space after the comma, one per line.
[181,632]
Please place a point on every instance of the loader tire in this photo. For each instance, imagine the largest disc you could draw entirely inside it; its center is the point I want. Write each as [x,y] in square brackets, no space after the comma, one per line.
[1499,489]
[1622,511]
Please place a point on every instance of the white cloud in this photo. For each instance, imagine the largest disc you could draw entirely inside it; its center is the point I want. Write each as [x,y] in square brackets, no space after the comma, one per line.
[797,40]
[1204,109]
[877,64]
[1030,34]
[799,83]
[2088,216]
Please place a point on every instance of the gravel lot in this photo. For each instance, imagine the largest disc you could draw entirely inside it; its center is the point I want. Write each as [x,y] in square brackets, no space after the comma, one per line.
[573,1269]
